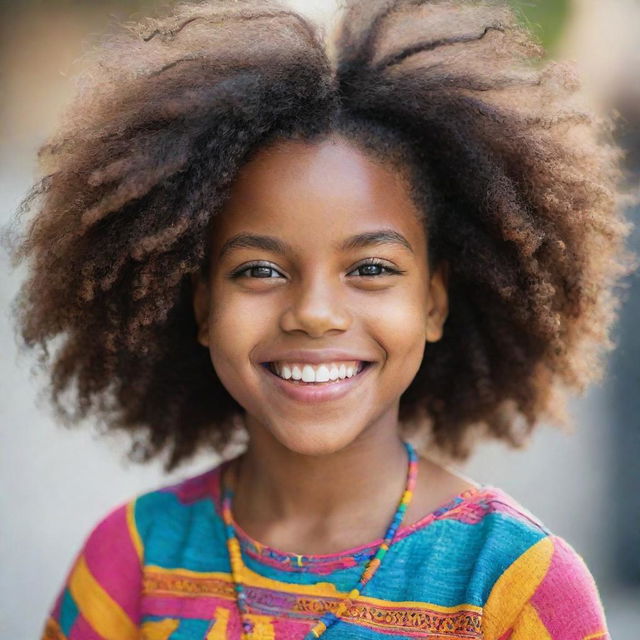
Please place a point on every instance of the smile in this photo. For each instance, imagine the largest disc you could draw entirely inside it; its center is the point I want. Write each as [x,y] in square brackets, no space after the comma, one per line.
[311,392]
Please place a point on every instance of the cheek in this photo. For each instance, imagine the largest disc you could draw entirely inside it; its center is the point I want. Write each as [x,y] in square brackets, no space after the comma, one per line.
[399,327]
[231,329]
[236,325]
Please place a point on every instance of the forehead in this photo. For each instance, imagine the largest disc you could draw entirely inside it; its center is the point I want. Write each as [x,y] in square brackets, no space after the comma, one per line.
[316,192]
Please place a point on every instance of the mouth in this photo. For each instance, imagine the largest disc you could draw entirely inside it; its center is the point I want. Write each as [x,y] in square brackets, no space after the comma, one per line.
[270,367]
[312,393]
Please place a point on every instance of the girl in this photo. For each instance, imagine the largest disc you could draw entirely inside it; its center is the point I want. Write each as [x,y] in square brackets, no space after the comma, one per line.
[324,245]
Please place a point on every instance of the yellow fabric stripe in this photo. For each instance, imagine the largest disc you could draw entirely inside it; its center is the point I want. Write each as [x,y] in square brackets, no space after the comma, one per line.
[158,629]
[529,626]
[514,588]
[52,630]
[325,589]
[262,627]
[104,614]
[133,529]
[219,629]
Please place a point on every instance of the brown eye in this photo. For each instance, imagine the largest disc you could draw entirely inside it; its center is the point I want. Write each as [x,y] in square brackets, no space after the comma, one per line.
[376,268]
[259,270]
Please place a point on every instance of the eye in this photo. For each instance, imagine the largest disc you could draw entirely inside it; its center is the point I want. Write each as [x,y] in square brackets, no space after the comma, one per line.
[256,269]
[374,267]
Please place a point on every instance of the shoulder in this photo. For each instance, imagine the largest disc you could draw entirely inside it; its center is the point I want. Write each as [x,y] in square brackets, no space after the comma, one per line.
[166,512]
[101,592]
[178,496]
[540,584]
[477,535]
[125,529]
[499,517]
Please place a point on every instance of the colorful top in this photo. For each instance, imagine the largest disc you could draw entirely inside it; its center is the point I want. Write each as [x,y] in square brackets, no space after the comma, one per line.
[479,566]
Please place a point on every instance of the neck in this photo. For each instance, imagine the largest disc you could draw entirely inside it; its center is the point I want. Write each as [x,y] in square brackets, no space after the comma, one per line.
[276,486]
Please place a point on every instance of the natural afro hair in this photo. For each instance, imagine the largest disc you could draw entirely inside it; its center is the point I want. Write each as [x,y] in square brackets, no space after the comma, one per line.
[519,186]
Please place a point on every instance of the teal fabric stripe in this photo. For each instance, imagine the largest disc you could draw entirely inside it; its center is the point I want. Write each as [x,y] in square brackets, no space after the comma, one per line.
[191,628]
[192,535]
[509,538]
[68,612]
[347,631]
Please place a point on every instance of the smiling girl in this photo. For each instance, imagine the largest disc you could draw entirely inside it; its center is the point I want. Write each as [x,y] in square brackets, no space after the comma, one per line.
[324,246]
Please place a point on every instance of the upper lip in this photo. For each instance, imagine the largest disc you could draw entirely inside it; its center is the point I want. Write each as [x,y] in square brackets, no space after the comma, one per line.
[315,356]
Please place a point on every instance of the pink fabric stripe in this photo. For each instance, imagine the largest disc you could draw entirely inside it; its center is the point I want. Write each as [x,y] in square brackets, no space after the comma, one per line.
[82,630]
[288,628]
[112,559]
[567,599]
[173,607]
[194,489]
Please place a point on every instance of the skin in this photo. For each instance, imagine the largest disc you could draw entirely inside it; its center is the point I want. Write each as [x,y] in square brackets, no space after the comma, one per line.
[306,482]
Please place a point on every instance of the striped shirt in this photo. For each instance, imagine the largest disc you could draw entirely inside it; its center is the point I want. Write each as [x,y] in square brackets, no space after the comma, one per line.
[479,566]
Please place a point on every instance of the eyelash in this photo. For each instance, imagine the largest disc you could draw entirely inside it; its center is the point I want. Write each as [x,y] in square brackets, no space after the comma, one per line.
[373,261]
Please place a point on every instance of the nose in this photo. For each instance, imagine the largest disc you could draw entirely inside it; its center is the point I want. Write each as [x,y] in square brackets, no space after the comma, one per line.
[316,305]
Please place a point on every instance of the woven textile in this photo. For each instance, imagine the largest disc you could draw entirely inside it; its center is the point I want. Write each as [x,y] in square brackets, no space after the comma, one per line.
[480,566]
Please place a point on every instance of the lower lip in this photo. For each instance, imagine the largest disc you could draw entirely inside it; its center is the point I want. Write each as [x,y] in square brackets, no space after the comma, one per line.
[321,392]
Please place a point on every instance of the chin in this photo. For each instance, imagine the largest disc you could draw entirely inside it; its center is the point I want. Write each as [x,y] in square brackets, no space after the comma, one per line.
[318,440]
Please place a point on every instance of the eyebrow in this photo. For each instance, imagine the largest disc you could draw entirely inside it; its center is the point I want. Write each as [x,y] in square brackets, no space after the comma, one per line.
[275,245]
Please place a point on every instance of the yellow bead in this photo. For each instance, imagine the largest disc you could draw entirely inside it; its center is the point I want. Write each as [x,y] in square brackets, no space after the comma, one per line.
[319,629]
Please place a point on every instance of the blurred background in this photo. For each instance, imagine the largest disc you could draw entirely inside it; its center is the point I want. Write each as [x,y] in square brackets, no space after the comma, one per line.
[58,483]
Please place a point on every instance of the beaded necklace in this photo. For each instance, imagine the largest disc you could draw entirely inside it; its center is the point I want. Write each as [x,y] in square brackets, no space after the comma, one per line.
[329,618]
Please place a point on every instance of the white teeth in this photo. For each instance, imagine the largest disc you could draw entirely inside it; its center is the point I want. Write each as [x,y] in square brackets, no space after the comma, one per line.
[322,374]
[308,374]
[317,373]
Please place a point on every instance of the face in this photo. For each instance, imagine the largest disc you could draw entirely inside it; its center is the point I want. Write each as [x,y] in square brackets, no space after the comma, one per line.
[318,265]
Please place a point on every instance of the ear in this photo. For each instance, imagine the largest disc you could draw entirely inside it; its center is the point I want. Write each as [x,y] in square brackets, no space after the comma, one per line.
[200,288]
[438,302]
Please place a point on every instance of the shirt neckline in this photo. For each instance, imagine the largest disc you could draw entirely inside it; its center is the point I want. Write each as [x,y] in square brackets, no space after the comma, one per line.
[329,562]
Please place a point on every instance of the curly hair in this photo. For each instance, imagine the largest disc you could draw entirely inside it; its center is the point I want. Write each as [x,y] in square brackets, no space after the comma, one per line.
[518,183]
